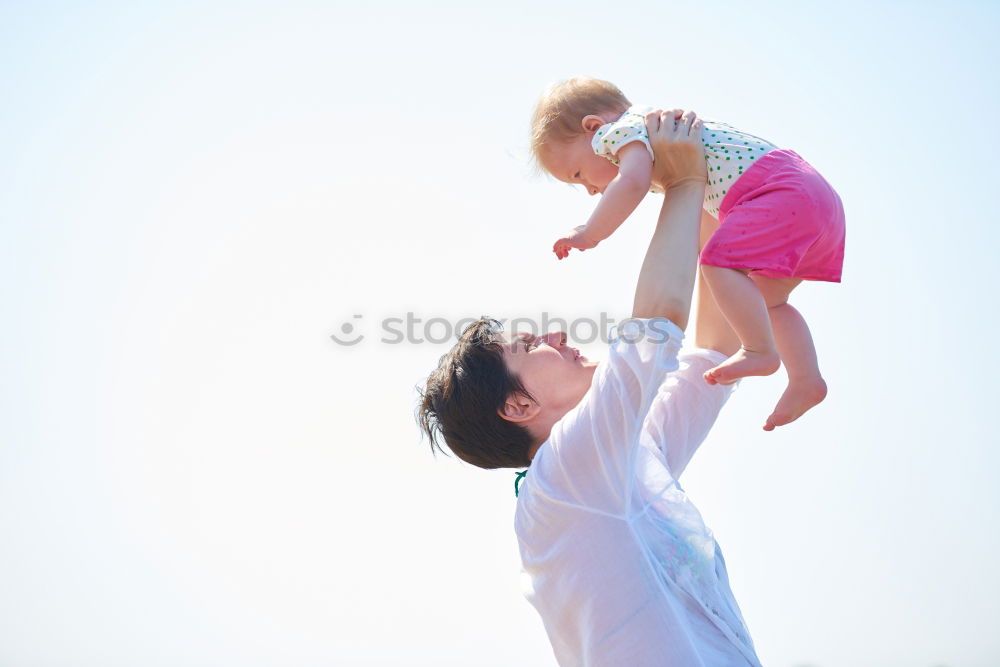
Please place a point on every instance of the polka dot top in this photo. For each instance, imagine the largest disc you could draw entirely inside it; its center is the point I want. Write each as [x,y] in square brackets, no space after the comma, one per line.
[728,151]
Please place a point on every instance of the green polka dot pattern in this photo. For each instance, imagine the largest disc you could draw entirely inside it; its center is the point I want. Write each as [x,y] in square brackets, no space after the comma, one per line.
[611,137]
[727,152]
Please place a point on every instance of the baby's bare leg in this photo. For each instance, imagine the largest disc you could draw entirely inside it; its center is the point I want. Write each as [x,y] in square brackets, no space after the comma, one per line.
[805,387]
[745,309]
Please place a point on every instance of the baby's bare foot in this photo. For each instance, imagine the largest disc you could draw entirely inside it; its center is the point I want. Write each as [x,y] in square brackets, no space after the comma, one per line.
[743,363]
[799,396]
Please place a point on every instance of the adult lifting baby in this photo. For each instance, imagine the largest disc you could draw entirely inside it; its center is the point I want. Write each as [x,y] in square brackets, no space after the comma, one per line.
[618,561]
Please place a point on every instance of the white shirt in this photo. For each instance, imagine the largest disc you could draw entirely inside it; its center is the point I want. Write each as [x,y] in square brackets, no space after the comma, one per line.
[616,559]
[728,152]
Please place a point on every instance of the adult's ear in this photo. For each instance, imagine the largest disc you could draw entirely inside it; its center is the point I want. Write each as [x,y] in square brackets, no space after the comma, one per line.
[592,123]
[519,408]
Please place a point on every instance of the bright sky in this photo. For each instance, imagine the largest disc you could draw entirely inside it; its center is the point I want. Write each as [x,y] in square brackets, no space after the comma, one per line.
[192,200]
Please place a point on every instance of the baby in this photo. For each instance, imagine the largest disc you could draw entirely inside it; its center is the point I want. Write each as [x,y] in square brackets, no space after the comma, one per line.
[780,223]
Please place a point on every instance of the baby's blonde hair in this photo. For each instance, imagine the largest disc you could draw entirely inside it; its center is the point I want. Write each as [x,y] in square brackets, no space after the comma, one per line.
[559,114]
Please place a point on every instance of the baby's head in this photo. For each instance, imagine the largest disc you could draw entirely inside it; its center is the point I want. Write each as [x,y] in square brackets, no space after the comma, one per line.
[563,125]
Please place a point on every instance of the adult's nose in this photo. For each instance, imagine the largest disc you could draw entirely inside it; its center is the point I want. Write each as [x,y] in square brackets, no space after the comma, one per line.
[555,338]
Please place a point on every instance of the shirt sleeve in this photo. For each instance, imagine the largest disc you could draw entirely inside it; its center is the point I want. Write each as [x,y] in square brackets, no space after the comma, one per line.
[611,137]
[589,453]
[684,409]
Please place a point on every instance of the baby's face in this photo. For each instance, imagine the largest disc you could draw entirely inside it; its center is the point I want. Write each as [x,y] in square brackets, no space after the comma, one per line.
[575,162]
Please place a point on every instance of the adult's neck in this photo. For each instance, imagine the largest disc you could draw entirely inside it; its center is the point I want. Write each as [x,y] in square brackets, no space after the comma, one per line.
[541,426]
[554,408]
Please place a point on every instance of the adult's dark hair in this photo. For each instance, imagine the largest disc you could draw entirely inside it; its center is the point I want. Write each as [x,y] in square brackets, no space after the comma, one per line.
[460,402]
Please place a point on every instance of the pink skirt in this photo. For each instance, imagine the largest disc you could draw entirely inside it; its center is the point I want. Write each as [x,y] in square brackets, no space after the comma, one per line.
[781,219]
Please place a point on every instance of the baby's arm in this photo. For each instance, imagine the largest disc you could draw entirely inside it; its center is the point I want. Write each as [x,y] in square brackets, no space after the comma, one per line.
[620,198]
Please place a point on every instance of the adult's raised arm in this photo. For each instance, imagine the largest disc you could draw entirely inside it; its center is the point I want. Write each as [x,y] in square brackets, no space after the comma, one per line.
[666,279]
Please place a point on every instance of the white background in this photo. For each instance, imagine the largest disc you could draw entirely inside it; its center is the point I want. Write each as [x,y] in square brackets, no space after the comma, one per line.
[194,197]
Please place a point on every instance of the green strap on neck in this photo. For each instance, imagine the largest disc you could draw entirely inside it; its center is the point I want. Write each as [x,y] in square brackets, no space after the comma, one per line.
[517,481]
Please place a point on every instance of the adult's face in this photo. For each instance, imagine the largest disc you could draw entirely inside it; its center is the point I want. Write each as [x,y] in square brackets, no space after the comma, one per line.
[556,375]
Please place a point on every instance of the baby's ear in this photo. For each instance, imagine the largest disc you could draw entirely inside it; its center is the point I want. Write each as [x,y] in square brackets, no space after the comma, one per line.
[591,123]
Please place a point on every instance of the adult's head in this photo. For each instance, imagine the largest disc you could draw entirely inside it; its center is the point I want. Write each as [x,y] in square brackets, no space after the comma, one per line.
[494,396]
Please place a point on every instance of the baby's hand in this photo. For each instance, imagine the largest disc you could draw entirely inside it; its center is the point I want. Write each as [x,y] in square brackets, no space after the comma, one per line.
[577,239]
